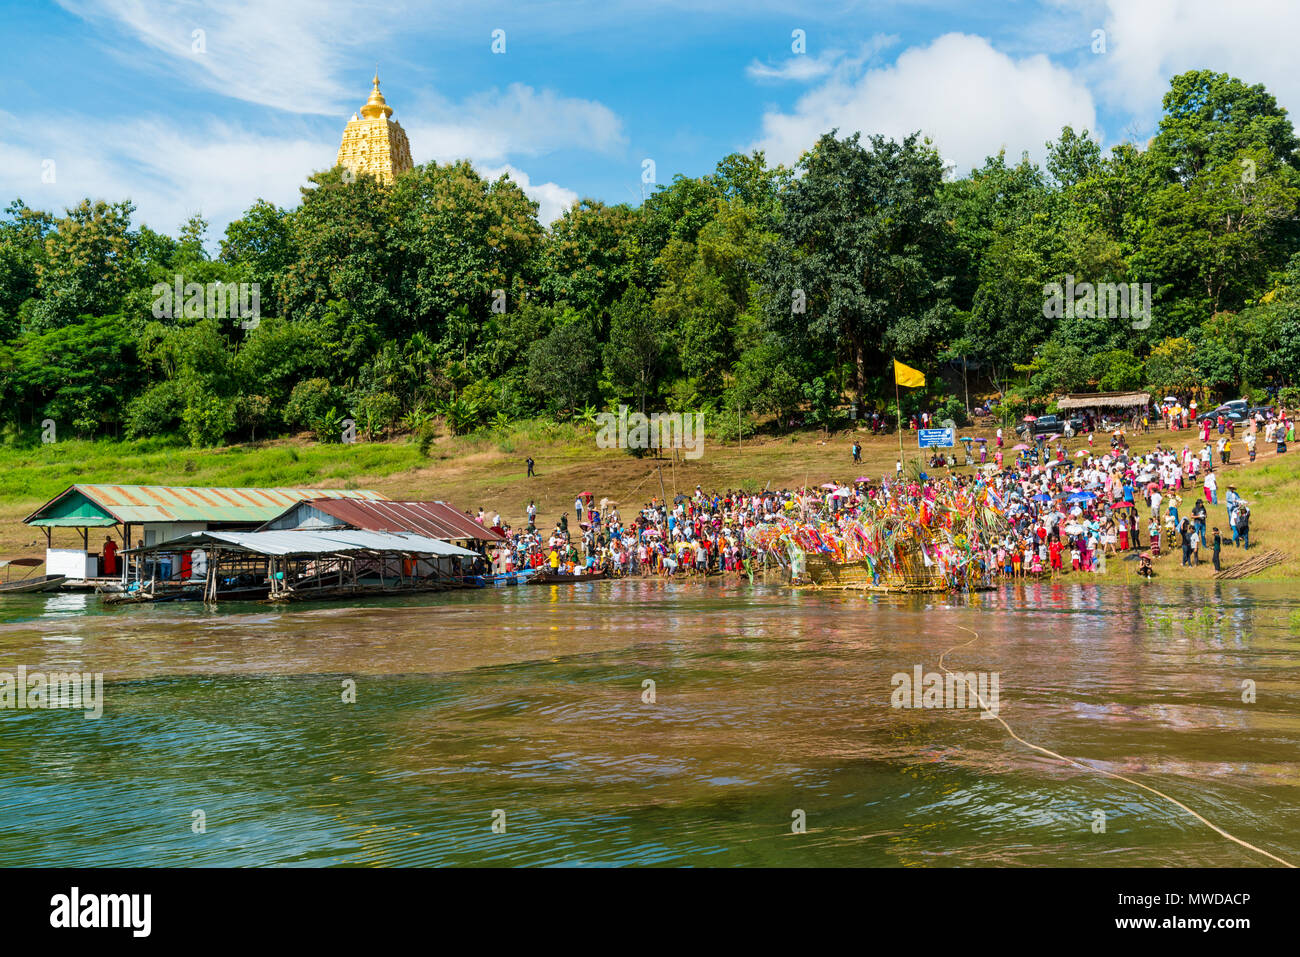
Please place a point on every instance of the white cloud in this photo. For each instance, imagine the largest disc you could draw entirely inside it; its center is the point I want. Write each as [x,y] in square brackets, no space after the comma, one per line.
[968,97]
[286,54]
[1147,43]
[802,68]
[798,68]
[169,171]
[552,199]
[492,125]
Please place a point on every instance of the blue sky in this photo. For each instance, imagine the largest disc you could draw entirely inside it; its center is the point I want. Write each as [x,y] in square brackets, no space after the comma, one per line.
[121,98]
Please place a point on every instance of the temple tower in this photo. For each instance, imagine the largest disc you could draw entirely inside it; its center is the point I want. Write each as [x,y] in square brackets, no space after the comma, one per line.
[373,143]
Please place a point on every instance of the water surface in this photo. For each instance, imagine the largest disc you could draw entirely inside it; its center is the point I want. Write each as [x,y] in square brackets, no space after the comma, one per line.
[529,701]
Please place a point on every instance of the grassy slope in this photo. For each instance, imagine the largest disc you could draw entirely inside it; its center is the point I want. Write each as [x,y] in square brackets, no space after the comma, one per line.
[487,471]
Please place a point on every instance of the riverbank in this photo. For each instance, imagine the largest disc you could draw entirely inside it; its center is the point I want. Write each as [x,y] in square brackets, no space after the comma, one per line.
[489,471]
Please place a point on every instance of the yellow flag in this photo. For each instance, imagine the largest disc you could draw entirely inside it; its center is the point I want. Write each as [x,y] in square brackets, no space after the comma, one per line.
[907,376]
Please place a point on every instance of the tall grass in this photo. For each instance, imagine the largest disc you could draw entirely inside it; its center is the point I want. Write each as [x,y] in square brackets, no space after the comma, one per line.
[44,471]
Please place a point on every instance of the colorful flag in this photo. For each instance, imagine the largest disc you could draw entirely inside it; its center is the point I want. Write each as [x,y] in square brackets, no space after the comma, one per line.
[907,376]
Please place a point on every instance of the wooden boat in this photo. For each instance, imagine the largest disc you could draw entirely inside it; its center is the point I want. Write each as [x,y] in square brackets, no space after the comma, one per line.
[520,577]
[547,577]
[43,583]
[28,584]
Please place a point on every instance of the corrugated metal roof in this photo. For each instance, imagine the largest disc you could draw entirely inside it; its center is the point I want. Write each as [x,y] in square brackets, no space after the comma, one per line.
[299,542]
[81,505]
[433,519]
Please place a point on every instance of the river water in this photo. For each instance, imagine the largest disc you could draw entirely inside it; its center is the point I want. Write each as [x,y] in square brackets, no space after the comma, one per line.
[514,727]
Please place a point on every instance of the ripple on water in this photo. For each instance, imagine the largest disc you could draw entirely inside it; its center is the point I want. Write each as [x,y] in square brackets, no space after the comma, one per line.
[532,702]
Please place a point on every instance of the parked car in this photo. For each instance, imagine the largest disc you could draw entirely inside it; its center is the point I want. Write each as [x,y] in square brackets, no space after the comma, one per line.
[1049,425]
[1231,412]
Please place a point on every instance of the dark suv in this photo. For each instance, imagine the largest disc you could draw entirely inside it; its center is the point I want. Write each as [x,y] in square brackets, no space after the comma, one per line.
[1049,425]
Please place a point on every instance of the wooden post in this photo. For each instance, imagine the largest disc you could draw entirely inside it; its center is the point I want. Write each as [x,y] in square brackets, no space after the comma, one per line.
[210,586]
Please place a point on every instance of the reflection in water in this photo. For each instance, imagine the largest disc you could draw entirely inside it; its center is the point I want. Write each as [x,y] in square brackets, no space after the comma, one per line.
[529,700]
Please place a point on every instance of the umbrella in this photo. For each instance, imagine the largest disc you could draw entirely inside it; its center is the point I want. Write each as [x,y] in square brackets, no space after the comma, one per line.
[584,495]
[1020,448]
[679,499]
[1031,418]
[1121,505]
[830,485]
[1081,497]
[1080,454]
[1042,497]
[863,478]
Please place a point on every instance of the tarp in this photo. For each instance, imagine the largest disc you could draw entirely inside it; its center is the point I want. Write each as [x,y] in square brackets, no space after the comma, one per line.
[300,542]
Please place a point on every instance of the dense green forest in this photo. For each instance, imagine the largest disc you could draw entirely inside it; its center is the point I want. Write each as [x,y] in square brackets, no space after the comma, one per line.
[441,302]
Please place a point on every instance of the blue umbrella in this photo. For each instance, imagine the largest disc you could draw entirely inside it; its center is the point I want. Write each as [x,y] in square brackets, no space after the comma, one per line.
[1081,497]
[1042,497]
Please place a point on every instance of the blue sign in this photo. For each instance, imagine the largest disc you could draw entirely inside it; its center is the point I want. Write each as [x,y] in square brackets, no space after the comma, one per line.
[937,438]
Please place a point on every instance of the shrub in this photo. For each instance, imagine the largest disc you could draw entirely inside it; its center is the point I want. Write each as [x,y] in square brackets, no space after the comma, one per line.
[309,402]
[155,411]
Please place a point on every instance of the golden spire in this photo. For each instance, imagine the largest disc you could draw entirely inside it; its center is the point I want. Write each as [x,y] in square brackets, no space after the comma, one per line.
[376,105]
[373,143]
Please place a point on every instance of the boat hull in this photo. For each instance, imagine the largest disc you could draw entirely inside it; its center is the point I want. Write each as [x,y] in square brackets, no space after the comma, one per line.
[44,583]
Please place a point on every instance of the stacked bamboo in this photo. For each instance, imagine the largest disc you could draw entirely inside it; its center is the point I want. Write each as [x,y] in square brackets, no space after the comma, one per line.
[1254,563]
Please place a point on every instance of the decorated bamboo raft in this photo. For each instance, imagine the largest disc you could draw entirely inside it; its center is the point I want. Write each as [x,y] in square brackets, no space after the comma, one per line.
[936,543]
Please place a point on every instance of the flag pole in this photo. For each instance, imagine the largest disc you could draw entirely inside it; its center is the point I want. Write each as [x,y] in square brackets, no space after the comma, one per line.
[898,408]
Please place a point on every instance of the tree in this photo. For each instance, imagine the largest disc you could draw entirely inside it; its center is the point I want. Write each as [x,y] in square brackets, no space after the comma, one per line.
[464,244]
[589,256]
[260,243]
[864,243]
[1211,118]
[1073,158]
[87,266]
[637,352]
[562,366]
[79,375]
[343,238]
[22,250]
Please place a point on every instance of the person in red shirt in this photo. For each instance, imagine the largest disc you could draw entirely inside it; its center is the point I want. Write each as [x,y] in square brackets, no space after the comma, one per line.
[1054,555]
[110,557]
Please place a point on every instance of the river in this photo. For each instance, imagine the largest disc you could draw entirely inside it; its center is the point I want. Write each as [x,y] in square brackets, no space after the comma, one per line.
[515,726]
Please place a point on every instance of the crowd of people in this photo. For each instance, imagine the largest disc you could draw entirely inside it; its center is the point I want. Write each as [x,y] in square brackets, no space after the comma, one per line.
[1043,512]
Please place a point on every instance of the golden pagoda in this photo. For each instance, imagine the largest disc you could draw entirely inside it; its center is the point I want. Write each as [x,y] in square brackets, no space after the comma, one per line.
[373,143]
